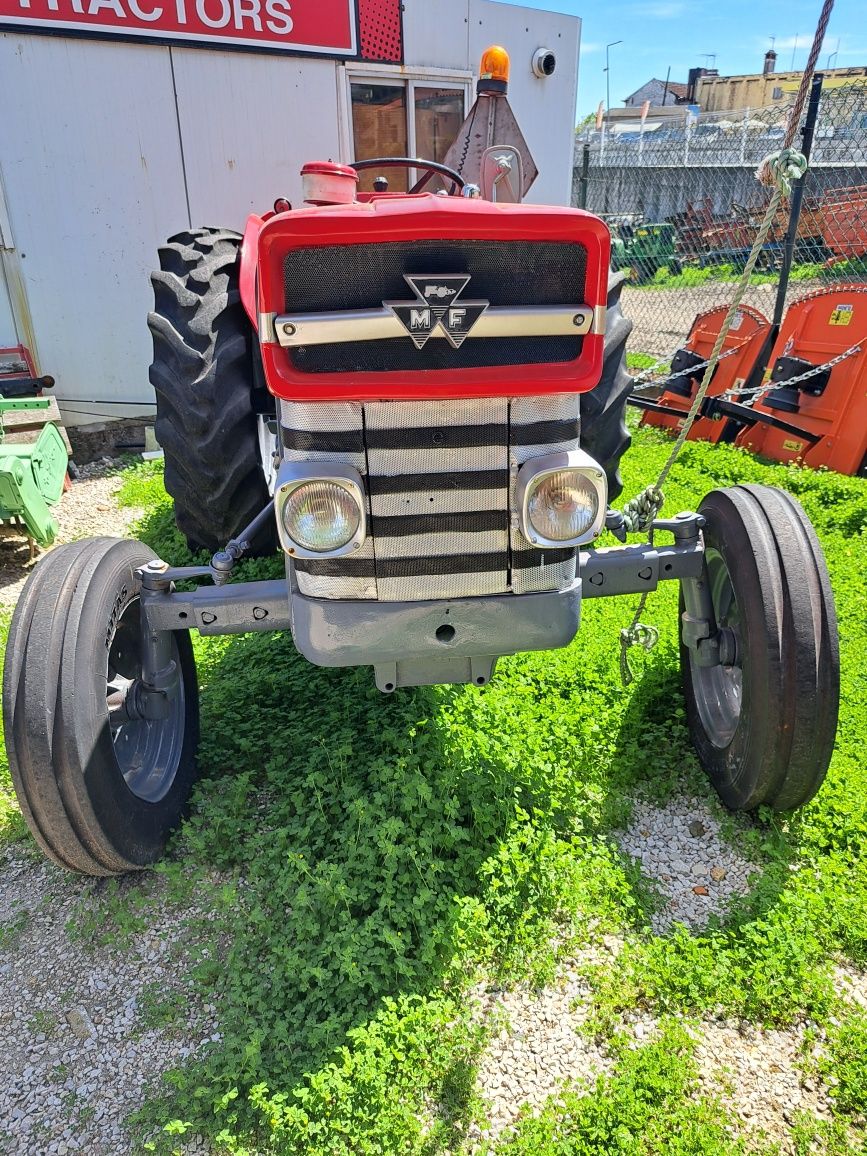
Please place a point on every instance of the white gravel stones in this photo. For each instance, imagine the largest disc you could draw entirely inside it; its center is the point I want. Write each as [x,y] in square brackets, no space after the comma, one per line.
[758,1075]
[680,849]
[84,1031]
[537,1049]
[851,985]
[89,508]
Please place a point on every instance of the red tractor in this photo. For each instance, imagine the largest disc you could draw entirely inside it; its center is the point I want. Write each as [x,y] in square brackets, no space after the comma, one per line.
[418,398]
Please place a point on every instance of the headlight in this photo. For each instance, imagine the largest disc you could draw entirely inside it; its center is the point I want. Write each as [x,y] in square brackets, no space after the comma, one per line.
[320,513]
[562,499]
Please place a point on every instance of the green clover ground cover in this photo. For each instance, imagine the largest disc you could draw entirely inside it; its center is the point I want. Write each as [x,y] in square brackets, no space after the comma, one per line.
[376,857]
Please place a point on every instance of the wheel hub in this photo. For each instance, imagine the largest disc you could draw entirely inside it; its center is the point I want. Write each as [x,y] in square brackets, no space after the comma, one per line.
[147,748]
[719,688]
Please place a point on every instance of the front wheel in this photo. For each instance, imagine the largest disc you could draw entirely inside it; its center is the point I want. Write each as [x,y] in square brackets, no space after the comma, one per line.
[764,726]
[100,796]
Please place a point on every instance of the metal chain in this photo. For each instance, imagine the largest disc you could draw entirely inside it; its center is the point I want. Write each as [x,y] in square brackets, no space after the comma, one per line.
[756,391]
[651,369]
[692,370]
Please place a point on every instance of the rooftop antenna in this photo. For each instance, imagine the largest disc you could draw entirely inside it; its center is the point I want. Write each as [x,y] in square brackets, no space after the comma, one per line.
[833,55]
[794,50]
[708,56]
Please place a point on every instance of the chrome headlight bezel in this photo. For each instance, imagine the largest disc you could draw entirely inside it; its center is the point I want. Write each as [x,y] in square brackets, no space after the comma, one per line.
[292,476]
[533,473]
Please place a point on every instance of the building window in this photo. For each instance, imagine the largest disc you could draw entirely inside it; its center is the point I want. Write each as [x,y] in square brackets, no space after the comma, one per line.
[404,118]
[777,94]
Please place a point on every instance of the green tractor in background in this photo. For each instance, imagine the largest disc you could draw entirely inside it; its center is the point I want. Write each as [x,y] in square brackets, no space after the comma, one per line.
[642,249]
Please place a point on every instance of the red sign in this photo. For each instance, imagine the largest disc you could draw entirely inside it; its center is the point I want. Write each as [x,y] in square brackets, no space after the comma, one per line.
[321,27]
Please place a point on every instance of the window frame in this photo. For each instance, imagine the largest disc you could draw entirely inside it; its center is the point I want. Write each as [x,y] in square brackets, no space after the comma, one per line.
[409,79]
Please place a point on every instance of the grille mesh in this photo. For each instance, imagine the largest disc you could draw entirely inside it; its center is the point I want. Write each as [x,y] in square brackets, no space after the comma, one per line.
[440,478]
[338,277]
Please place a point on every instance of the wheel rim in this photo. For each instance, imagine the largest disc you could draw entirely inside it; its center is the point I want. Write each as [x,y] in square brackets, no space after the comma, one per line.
[718,689]
[148,751]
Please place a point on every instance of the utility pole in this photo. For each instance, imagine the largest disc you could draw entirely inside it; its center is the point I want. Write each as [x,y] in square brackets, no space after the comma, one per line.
[608,88]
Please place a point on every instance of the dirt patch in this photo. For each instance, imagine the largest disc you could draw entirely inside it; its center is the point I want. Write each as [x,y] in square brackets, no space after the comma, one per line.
[88,509]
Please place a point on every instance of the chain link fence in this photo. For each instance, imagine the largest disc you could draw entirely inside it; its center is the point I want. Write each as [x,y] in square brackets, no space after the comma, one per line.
[682,201]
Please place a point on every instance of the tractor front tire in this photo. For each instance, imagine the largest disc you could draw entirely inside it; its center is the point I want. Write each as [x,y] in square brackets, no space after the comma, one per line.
[203,376]
[100,797]
[603,410]
[764,726]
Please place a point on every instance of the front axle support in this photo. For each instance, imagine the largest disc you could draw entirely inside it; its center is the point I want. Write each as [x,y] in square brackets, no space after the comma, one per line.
[334,633]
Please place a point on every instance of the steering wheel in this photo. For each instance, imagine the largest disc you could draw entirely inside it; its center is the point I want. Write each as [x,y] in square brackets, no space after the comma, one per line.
[431,167]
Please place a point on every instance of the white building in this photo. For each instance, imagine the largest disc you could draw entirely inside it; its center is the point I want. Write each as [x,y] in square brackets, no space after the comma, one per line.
[125,121]
[658,92]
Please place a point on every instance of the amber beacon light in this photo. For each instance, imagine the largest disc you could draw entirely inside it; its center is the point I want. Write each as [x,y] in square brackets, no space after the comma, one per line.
[494,71]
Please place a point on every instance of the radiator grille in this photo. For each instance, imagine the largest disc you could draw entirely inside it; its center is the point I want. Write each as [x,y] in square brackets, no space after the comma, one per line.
[440,479]
[336,277]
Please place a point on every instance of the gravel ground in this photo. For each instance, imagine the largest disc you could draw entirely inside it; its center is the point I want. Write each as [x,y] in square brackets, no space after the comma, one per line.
[682,853]
[759,1075]
[663,317]
[85,1030]
[538,1047]
[88,509]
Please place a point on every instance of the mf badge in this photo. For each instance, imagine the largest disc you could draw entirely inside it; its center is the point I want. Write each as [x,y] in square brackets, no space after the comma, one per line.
[438,304]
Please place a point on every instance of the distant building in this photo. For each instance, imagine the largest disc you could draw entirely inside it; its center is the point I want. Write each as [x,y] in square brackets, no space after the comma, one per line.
[658,93]
[764,89]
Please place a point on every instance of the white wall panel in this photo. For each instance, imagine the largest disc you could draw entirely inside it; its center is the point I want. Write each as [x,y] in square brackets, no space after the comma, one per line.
[436,35]
[248,123]
[8,332]
[545,108]
[91,167]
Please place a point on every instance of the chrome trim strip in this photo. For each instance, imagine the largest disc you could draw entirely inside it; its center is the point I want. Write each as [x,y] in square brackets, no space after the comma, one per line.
[266,328]
[599,319]
[378,324]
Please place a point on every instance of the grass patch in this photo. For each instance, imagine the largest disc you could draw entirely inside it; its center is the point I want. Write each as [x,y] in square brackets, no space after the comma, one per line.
[844,1063]
[13,829]
[653,1103]
[640,360]
[378,856]
[693,275]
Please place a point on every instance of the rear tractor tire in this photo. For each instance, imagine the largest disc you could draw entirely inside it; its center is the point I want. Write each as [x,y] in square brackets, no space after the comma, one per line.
[100,797]
[764,726]
[205,382]
[603,409]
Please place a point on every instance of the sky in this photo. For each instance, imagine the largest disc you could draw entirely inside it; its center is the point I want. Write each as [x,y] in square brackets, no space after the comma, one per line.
[682,33]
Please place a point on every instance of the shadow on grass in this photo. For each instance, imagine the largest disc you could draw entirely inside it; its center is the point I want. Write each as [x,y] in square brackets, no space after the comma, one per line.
[654,742]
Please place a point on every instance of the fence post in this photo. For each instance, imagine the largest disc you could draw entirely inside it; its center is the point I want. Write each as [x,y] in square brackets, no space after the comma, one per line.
[744,135]
[797,198]
[686,123]
[583,179]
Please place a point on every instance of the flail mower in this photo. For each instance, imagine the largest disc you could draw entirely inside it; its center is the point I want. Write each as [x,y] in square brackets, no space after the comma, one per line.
[418,399]
[809,405]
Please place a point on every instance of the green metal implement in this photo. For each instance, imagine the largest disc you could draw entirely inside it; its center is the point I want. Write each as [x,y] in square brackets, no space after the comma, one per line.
[32,475]
[642,249]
